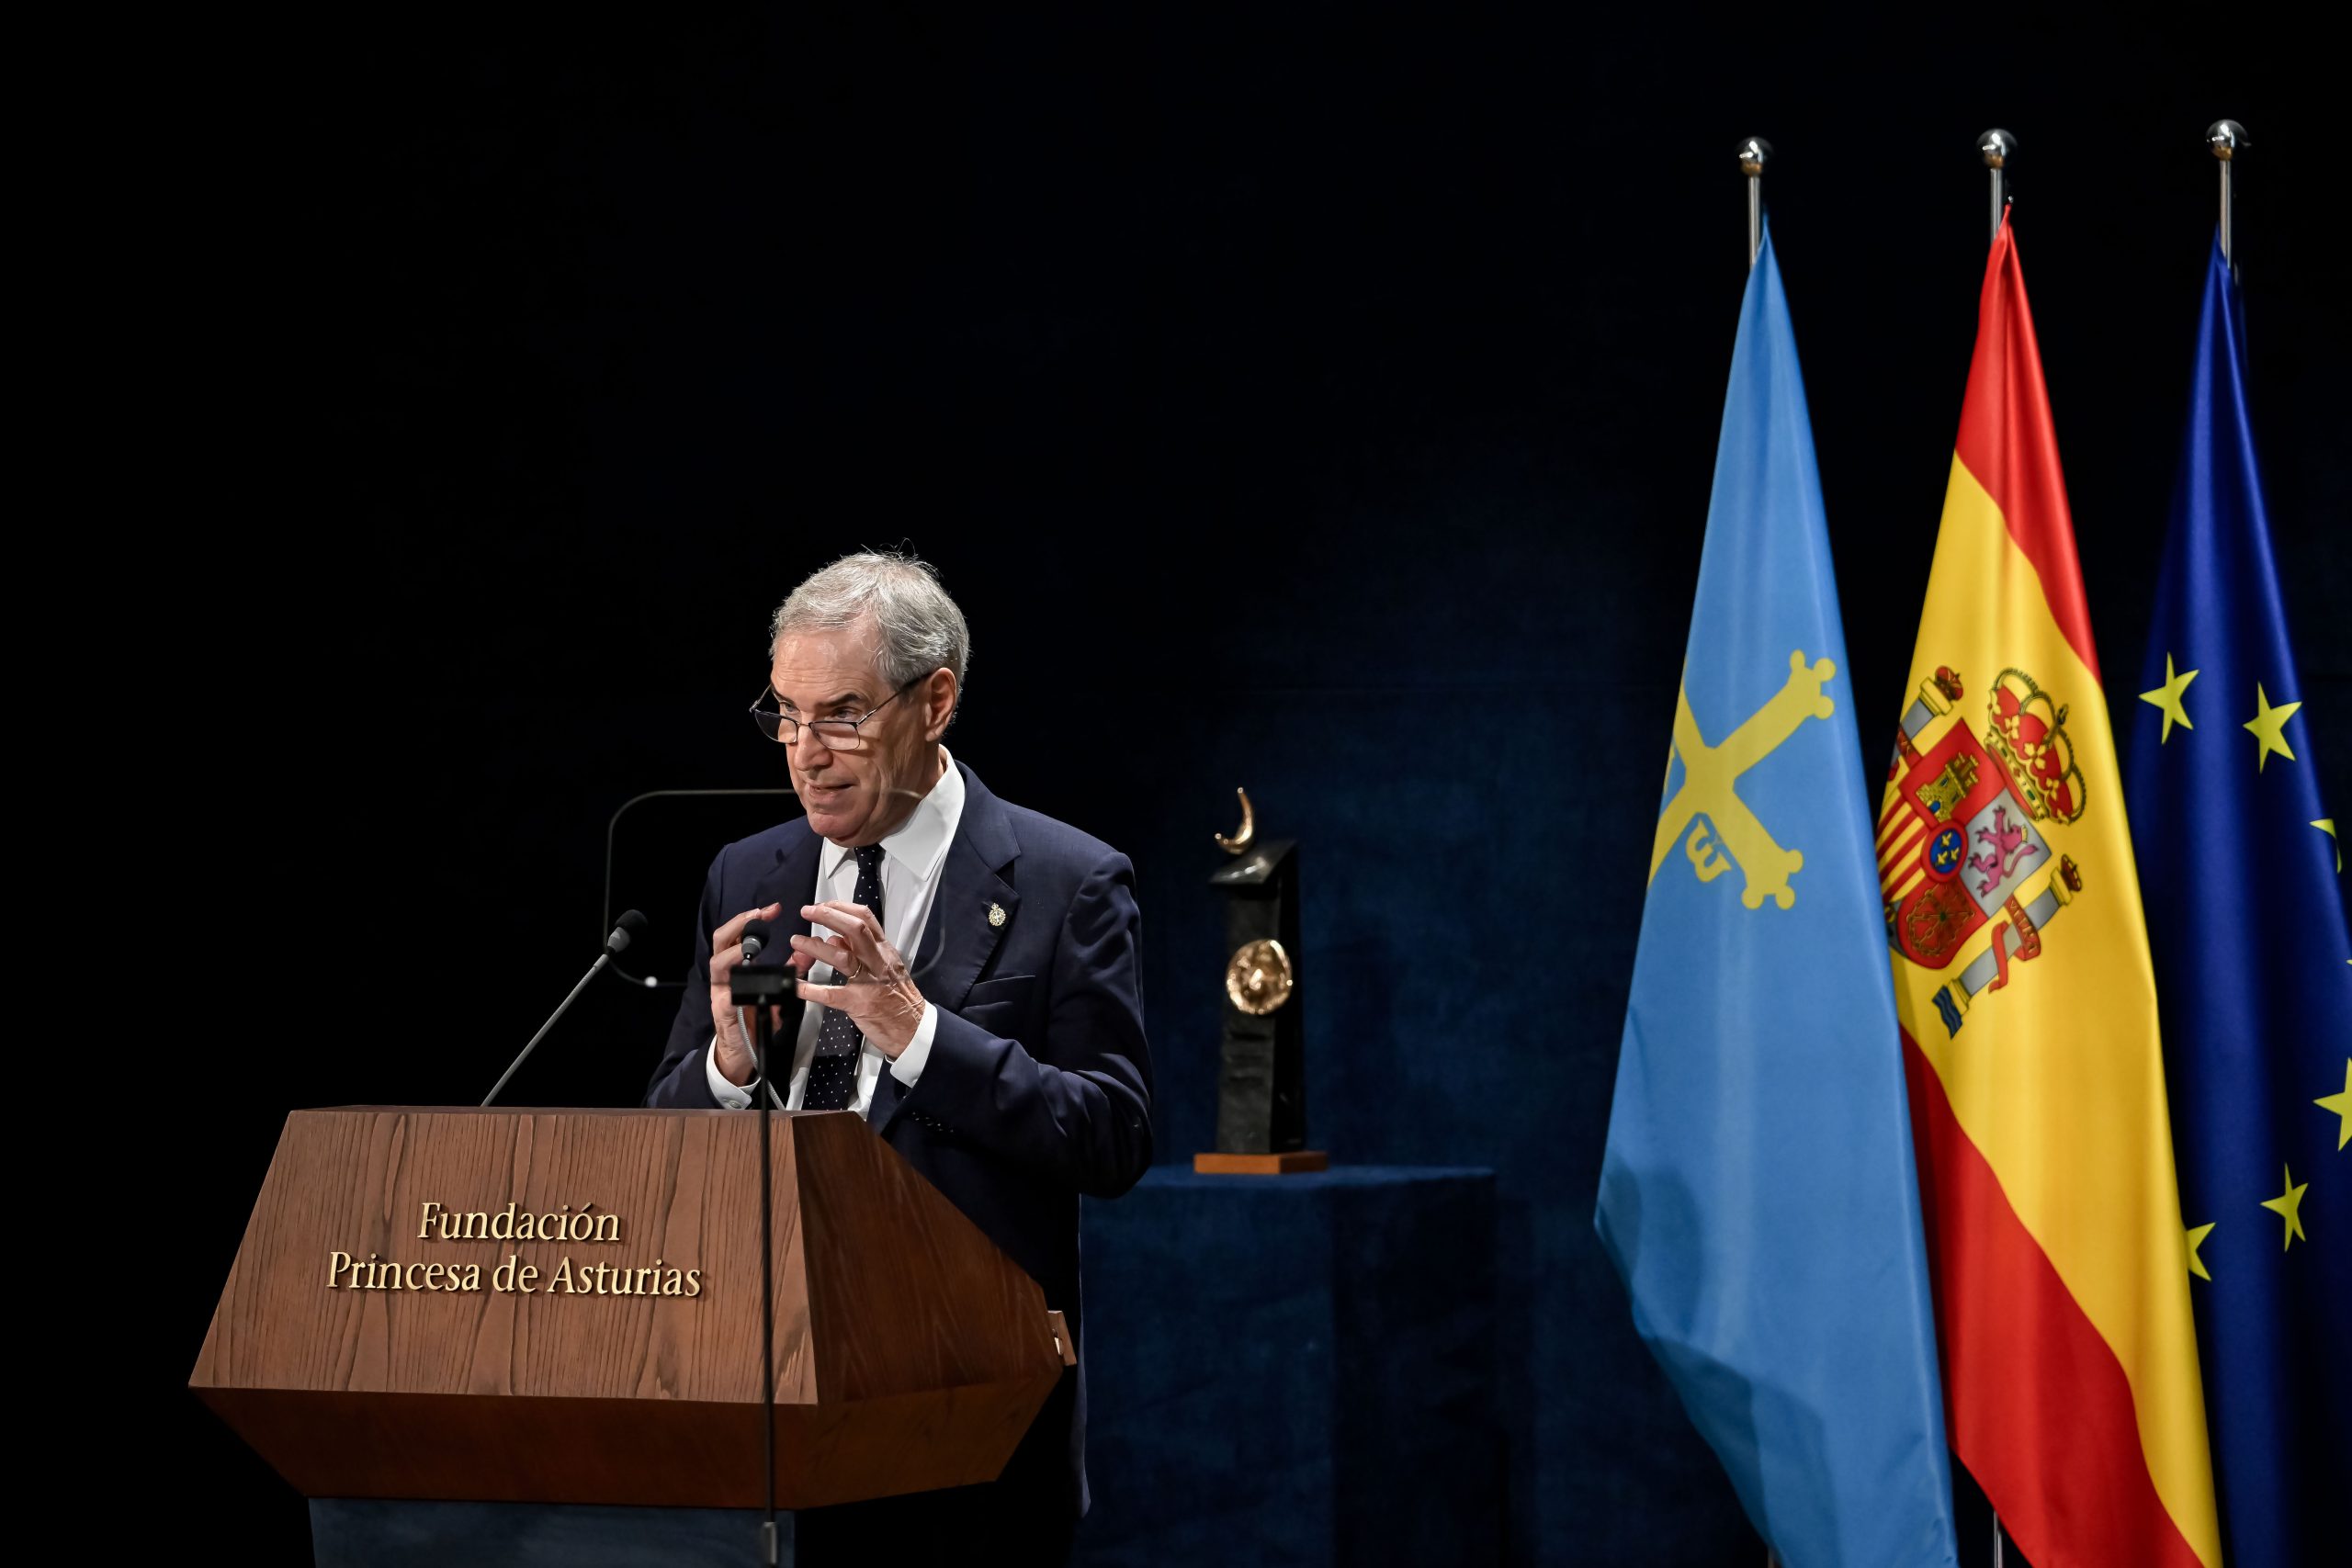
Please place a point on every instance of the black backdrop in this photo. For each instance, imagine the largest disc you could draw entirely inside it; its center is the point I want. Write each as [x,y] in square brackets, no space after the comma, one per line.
[1314,400]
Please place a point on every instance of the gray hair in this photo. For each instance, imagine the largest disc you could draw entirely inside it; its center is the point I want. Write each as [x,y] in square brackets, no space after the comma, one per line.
[918,625]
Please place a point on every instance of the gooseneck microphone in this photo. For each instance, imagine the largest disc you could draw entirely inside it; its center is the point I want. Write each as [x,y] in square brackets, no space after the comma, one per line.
[756,937]
[759,989]
[631,926]
[626,928]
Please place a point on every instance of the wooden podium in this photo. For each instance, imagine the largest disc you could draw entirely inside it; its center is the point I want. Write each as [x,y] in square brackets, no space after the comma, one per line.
[563,1307]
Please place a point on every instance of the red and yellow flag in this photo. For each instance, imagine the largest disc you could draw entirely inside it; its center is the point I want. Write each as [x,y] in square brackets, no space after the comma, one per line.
[2029,1012]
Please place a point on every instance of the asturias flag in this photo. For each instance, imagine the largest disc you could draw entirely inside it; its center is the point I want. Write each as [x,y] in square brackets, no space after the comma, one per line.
[2028,1008]
[1758,1192]
[2242,868]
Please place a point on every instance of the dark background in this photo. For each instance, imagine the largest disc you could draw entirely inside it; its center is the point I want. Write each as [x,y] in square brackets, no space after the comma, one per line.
[1317,400]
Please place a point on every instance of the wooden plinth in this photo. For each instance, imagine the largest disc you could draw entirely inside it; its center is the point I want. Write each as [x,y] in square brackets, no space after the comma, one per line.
[1295,1162]
[909,1353]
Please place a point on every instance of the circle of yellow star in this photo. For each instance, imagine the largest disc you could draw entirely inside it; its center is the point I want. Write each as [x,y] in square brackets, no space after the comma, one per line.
[2269,727]
[2168,697]
[2196,1234]
[2327,825]
[2341,1104]
[2287,1205]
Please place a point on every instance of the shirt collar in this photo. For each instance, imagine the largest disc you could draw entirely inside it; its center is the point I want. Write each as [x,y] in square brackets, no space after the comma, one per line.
[918,844]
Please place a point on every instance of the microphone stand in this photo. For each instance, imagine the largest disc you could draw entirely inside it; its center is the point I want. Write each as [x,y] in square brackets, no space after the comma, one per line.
[761,989]
[631,926]
[594,970]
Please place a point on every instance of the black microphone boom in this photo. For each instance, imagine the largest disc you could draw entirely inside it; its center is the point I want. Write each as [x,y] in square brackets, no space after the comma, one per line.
[624,930]
[759,988]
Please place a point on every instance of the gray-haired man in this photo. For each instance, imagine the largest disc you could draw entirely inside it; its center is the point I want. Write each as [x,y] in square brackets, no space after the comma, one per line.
[974,971]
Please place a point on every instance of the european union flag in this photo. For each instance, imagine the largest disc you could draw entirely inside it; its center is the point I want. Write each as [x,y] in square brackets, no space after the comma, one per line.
[2241,871]
[1757,1193]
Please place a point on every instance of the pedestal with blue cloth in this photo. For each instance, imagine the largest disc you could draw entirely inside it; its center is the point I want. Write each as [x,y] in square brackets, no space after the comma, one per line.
[1294,1369]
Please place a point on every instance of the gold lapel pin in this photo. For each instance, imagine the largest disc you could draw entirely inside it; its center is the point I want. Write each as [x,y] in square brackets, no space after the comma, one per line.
[996,914]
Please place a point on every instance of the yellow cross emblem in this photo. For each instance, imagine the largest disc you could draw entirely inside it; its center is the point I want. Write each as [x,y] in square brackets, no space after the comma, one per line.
[1710,774]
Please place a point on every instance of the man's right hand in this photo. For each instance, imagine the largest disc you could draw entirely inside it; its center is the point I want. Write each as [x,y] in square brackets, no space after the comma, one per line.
[730,1050]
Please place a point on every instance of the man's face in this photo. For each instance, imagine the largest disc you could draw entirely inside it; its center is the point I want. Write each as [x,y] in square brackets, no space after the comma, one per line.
[856,795]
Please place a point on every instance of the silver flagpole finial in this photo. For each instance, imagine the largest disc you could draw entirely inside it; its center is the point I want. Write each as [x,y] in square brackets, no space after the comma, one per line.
[2227,138]
[1996,147]
[1754,153]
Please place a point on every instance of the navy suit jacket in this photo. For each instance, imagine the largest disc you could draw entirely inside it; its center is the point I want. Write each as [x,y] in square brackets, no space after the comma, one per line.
[1038,1085]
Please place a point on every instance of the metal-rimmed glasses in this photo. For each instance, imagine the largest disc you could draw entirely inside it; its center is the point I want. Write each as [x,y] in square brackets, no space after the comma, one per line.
[835,734]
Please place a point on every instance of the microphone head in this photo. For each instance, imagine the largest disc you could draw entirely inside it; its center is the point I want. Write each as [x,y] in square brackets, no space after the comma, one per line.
[626,930]
[756,937]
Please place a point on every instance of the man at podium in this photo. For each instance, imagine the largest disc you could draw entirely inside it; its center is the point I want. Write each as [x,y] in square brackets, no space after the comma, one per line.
[969,983]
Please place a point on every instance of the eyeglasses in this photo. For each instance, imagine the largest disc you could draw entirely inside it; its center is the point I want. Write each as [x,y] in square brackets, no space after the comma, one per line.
[835,734]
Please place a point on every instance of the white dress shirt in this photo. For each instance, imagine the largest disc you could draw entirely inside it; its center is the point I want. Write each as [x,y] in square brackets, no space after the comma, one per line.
[911,859]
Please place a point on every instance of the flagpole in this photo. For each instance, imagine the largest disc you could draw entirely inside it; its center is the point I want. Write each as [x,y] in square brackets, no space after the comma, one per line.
[2227,138]
[1752,155]
[1996,147]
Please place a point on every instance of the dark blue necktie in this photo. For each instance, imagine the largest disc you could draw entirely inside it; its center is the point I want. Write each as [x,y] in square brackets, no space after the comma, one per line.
[832,1074]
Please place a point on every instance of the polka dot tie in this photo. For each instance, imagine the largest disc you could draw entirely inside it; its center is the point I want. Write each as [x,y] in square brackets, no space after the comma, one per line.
[832,1076]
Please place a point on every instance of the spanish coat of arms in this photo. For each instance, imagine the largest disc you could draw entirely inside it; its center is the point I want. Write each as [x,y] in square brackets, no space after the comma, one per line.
[1960,834]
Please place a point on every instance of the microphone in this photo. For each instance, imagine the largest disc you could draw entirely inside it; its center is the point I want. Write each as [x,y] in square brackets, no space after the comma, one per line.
[631,926]
[754,983]
[757,987]
[624,930]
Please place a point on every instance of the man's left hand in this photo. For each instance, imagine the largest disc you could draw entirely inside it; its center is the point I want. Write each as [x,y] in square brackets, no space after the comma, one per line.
[877,991]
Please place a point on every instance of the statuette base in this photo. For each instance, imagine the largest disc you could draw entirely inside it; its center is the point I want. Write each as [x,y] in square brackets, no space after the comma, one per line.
[1292,1162]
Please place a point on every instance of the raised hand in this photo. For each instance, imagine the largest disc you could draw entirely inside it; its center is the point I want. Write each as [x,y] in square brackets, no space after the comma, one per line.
[876,990]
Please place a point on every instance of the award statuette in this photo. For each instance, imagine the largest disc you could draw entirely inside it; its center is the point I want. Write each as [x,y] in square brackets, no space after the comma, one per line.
[1261,1074]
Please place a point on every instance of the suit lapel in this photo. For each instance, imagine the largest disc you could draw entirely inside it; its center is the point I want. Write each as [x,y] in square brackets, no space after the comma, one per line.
[965,928]
[963,934]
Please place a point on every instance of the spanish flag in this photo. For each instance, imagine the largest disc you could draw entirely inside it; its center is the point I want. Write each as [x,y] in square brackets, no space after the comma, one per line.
[2028,1007]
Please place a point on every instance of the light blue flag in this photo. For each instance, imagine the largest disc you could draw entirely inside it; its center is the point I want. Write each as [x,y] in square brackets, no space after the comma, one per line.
[1757,1193]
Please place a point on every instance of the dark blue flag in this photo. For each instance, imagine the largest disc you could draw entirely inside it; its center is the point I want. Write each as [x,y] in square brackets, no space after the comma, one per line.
[2241,868]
